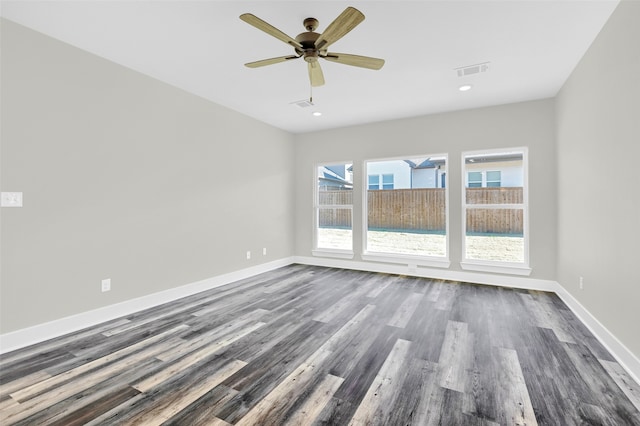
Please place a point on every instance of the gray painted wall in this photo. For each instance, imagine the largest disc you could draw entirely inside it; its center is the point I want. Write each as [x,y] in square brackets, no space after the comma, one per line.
[127,178]
[598,133]
[528,124]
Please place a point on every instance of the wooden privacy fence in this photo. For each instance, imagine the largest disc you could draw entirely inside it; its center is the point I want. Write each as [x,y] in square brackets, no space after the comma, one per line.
[500,221]
[410,209]
[424,209]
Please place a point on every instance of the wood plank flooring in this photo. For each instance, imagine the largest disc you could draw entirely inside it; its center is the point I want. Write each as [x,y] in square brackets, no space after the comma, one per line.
[306,345]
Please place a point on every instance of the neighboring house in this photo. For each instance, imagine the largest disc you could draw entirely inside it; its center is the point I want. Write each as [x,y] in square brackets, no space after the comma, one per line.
[394,174]
[486,171]
[406,174]
[481,171]
[429,173]
[336,177]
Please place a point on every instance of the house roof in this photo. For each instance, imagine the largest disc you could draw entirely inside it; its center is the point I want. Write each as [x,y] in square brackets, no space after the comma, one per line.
[492,158]
[422,164]
[329,175]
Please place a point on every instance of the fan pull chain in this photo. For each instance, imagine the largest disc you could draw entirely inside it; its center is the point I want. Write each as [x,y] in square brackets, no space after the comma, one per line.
[310,94]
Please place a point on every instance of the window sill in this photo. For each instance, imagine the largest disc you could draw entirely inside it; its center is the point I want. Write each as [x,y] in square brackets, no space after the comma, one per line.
[406,259]
[496,268]
[335,253]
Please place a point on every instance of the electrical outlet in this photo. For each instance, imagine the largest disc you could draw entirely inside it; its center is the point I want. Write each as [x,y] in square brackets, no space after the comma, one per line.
[106,285]
[264,251]
[248,255]
[581,283]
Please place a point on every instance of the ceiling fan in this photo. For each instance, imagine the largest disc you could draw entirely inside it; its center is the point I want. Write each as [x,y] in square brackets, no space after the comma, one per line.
[311,45]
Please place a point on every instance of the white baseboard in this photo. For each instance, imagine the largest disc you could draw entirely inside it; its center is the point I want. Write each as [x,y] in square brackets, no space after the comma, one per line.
[620,352]
[41,332]
[437,273]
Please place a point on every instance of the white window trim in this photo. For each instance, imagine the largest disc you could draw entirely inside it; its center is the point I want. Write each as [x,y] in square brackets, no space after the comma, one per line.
[323,251]
[515,268]
[433,261]
[495,267]
[407,259]
[335,253]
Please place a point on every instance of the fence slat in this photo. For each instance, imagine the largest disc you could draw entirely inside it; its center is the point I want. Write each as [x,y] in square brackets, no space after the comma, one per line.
[424,209]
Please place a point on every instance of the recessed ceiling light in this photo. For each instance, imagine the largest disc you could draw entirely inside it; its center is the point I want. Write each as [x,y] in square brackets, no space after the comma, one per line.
[317,113]
[464,87]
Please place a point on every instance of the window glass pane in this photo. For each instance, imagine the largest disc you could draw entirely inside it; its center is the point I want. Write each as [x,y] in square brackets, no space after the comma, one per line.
[335,197]
[493,195]
[334,228]
[410,217]
[374,181]
[495,212]
[475,178]
[414,243]
[387,181]
[334,206]
[493,176]
[503,178]
[335,184]
[495,234]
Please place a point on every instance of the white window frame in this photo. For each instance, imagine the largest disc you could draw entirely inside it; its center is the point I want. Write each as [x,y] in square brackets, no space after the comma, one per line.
[322,251]
[493,266]
[484,178]
[412,261]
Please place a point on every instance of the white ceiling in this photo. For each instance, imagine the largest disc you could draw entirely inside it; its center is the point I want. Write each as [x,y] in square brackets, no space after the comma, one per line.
[201,46]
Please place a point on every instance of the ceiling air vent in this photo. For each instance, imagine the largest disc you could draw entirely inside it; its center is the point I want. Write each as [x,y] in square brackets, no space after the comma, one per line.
[472,69]
[303,103]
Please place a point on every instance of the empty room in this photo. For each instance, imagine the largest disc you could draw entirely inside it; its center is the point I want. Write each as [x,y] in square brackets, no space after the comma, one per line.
[320,212]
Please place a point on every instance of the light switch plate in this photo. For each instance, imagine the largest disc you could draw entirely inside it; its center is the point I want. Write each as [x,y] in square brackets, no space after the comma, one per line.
[12,199]
[106,285]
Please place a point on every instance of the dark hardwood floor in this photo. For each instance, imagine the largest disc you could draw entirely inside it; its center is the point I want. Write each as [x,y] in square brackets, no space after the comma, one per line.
[308,345]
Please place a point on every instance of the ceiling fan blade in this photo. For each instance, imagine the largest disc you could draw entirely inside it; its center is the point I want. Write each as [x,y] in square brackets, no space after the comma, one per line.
[315,74]
[344,23]
[270,61]
[355,60]
[269,29]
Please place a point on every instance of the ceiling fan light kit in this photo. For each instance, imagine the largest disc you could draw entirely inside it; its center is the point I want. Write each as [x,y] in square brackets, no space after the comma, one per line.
[312,46]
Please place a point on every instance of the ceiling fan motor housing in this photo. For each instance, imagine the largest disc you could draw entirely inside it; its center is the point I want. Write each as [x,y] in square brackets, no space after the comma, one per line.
[307,40]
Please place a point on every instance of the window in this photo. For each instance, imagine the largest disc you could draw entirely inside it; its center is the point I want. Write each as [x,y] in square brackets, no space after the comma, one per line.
[493,179]
[475,179]
[387,181]
[374,181]
[495,212]
[406,223]
[484,179]
[334,209]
